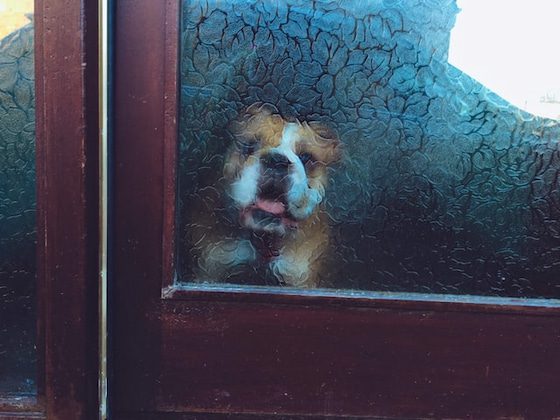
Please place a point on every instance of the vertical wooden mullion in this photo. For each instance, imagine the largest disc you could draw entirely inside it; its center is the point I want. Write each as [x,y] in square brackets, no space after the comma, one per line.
[67,173]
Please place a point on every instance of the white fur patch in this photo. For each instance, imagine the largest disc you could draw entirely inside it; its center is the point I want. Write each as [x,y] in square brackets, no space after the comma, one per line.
[303,208]
[302,199]
[224,256]
[244,189]
[292,272]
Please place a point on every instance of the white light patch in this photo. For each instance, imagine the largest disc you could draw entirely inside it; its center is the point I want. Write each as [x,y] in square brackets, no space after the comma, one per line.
[511,47]
[13,15]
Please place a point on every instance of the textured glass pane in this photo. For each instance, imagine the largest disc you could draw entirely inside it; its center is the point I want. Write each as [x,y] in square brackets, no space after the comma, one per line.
[334,144]
[17,198]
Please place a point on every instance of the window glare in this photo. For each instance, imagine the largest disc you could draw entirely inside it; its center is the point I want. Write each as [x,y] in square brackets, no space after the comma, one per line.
[13,15]
[511,47]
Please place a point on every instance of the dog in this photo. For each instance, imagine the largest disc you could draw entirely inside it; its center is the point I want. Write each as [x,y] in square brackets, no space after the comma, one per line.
[274,184]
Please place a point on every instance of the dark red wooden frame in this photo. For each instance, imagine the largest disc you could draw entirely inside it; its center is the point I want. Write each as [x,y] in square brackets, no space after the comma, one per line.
[66,85]
[257,354]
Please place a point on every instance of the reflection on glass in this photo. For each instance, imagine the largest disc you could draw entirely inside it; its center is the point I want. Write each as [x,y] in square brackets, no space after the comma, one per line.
[17,199]
[332,144]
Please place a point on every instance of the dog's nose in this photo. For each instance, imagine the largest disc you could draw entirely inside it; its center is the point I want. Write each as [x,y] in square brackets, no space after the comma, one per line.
[276,161]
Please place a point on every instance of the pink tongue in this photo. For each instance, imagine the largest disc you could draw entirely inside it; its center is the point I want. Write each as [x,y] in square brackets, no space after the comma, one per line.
[273,207]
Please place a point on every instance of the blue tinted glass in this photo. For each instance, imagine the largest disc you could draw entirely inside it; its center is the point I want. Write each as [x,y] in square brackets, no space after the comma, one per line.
[335,144]
[17,199]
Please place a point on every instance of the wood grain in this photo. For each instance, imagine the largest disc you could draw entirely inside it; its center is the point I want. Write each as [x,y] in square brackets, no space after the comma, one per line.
[67,191]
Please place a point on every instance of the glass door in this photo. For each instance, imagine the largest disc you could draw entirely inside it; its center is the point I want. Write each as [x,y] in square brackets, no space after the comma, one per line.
[320,210]
[48,209]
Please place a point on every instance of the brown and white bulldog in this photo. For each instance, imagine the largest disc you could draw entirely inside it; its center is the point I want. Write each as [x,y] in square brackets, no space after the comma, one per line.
[275,177]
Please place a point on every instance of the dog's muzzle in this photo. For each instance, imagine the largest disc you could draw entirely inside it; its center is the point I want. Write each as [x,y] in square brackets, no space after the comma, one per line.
[269,212]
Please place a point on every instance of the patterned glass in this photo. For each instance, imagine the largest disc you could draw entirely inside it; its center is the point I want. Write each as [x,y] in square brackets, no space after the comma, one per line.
[334,144]
[18,316]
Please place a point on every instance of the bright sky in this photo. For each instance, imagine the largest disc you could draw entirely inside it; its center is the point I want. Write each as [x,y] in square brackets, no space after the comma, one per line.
[510,46]
[513,48]
[12,15]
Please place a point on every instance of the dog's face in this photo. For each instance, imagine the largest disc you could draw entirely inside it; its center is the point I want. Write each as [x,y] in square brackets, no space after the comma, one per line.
[277,170]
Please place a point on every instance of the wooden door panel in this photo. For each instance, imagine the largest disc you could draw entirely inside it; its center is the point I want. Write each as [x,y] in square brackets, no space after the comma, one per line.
[381,358]
[360,358]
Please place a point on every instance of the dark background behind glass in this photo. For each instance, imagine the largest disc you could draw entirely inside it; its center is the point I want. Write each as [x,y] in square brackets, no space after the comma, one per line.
[445,187]
[17,213]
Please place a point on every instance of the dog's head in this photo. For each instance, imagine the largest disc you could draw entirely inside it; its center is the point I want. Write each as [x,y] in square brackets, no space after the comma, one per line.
[277,169]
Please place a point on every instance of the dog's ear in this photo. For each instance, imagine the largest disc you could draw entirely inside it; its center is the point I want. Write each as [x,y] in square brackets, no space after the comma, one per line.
[329,139]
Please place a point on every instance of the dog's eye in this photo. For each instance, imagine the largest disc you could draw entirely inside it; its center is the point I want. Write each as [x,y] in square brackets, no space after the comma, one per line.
[306,157]
[247,148]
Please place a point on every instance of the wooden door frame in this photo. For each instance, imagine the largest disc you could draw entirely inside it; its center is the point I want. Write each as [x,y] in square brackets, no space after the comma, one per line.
[394,355]
[67,153]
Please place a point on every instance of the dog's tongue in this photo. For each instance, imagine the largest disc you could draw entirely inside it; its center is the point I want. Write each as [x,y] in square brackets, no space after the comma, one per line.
[270,206]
